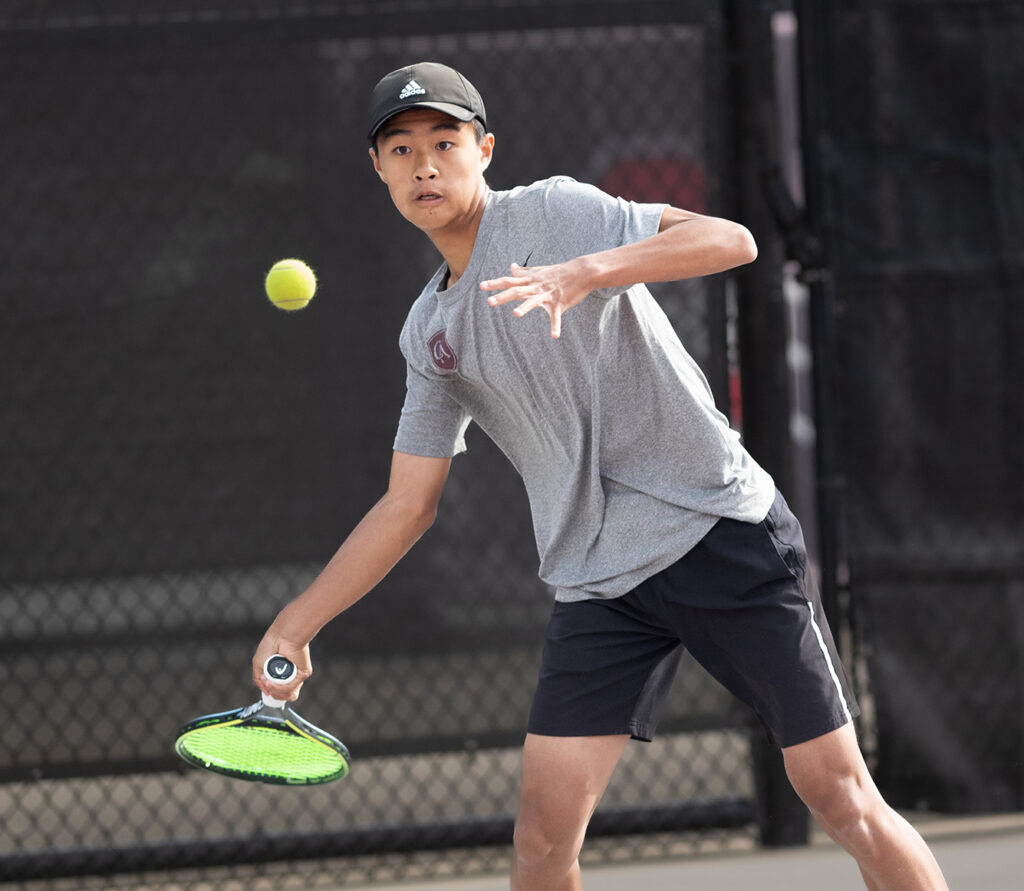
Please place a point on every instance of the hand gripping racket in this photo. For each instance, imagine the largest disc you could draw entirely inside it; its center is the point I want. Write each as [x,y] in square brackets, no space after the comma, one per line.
[266,742]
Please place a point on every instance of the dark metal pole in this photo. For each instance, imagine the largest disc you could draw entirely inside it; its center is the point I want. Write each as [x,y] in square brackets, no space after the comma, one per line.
[782,818]
[812,43]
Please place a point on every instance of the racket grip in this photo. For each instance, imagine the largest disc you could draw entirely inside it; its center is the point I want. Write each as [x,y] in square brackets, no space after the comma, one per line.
[278,670]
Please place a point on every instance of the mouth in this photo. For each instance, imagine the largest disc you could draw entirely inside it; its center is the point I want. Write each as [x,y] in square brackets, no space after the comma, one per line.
[428,197]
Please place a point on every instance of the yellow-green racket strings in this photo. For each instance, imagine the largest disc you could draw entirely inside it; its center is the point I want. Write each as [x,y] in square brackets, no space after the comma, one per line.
[264,752]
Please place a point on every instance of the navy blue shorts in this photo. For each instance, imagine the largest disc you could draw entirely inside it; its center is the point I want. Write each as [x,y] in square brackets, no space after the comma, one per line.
[739,602]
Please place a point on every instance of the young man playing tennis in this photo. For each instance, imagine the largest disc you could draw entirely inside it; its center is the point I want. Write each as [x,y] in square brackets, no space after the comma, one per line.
[654,526]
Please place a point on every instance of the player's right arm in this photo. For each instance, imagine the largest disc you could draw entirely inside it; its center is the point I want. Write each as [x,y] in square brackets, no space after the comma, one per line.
[390,528]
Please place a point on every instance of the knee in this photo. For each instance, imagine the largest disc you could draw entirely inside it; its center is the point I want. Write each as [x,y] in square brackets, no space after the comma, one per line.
[530,844]
[847,811]
[537,841]
[841,807]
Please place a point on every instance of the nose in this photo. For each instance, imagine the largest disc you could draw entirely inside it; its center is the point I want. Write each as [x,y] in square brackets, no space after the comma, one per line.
[425,168]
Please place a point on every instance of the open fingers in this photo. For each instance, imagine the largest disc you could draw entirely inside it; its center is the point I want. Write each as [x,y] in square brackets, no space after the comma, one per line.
[555,314]
[511,285]
[531,288]
[553,310]
[508,294]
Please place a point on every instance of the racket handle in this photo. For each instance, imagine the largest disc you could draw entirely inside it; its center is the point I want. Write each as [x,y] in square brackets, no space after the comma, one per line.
[278,670]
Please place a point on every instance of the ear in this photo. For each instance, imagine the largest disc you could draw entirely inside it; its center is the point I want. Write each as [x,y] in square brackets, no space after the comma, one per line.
[376,165]
[486,151]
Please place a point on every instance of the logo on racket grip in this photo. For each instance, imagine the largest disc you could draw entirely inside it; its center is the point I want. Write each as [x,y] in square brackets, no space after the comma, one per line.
[279,669]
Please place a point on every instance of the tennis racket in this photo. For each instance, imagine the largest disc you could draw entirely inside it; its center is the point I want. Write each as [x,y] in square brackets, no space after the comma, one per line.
[265,742]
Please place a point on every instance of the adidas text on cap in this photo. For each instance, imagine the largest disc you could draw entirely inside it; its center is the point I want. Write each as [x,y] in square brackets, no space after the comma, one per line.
[425,85]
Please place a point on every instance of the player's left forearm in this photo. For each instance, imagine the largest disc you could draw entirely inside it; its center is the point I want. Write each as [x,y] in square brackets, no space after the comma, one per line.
[687,246]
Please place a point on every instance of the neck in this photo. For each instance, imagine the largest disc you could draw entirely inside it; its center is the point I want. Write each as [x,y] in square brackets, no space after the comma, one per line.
[456,241]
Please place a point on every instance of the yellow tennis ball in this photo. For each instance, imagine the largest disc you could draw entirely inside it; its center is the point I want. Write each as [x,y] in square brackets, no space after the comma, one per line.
[290,284]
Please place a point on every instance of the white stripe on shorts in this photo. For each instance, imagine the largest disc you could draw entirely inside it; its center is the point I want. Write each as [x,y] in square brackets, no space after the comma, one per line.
[828,662]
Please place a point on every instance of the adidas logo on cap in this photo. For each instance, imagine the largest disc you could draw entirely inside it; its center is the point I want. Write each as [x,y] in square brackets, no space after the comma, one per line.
[411,89]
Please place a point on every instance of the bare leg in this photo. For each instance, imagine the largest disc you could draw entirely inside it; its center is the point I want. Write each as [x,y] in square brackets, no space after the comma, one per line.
[830,776]
[563,780]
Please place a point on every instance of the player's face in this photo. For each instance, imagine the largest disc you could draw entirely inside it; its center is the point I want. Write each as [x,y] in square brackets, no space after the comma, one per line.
[433,168]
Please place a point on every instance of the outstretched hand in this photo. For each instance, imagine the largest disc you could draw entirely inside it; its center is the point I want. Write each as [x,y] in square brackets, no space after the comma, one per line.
[553,288]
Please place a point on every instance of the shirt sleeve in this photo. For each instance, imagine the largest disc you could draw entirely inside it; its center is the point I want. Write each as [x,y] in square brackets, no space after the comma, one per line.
[432,424]
[594,221]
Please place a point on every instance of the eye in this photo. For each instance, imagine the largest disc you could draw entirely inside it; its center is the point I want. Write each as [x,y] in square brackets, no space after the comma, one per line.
[401,150]
[445,145]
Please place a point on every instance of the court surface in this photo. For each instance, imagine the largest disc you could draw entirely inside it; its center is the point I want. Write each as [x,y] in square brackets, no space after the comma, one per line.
[976,854]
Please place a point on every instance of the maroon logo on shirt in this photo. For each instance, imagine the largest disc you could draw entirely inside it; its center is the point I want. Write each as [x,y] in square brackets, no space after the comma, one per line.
[440,351]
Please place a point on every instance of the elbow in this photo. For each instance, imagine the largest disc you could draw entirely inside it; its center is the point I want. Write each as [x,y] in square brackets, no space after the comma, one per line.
[733,246]
[407,516]
[744,247]
[424,517]
[416,514]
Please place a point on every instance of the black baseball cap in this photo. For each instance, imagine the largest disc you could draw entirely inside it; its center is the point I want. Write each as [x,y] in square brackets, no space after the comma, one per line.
[425,85]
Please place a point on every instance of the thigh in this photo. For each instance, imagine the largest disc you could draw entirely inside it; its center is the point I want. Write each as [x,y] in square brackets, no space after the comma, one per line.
[605,671]
[830,767]
[764,635]
[778,657]
[563,779]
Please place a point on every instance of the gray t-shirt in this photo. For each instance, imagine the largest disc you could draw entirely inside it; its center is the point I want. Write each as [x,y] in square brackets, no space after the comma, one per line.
[626,461]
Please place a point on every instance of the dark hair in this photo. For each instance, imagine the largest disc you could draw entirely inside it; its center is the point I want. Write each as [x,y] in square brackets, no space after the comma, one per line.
[478,130]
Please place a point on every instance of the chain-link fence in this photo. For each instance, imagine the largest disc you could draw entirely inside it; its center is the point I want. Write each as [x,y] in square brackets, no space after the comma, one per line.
[179,457]
[918,156]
